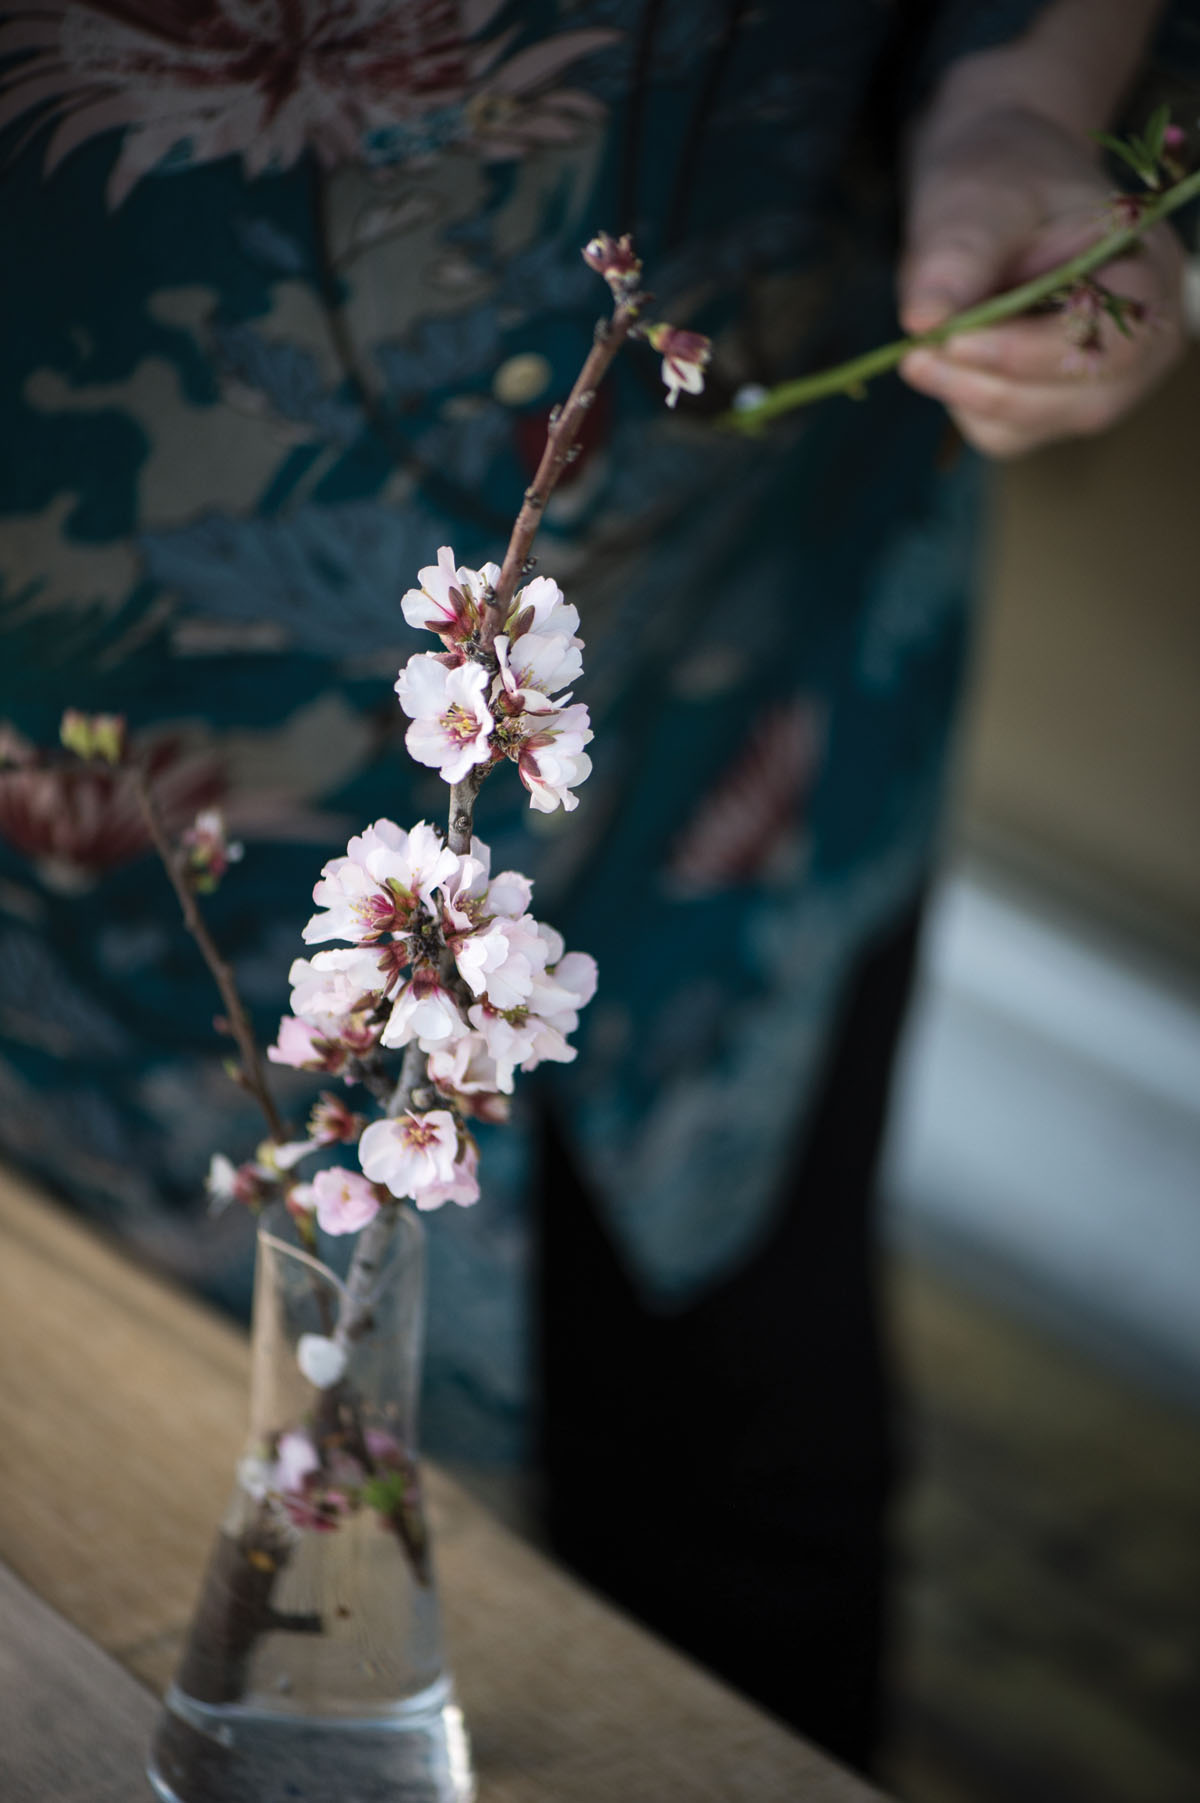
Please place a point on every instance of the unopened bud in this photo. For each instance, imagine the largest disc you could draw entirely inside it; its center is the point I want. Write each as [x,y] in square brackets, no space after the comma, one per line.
[209,852]
[614,259]
[93,735]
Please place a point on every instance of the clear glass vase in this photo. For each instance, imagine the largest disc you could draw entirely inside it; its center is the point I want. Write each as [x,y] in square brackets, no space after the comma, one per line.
[314,1670]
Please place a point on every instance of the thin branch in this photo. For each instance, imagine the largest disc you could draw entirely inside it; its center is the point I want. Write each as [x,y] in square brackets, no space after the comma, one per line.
[560,442]
[850,377]
[566,425]
[239,1021]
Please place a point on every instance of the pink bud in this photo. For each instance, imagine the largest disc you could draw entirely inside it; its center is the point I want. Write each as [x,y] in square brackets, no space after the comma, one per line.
[614,259]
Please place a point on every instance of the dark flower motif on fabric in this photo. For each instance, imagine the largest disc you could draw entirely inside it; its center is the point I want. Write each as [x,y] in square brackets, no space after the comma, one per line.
[356,81]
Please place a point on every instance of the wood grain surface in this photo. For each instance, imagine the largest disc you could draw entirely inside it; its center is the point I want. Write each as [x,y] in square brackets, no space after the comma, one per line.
[73,1725]
[121,1417]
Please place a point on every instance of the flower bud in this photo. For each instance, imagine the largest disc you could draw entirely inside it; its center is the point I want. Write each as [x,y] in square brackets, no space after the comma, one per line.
[93,735]
[685,358]
[209,852]
[614,259]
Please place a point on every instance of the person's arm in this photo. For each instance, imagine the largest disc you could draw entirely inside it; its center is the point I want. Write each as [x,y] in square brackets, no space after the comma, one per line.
[1005,181]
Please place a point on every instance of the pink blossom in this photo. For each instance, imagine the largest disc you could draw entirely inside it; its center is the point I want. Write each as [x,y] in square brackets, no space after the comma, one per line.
[411,1153]
[541,607]
[425,1011]
[464,894]
[451,722]
[472,895]
[501,959]
[336,983]
[614,259]
[332,1123]
[462,1186]
[685,358]
[449,601]
[250,1184]
[464,1066]
[509,1039]
[509,894]
[344,1201]
[543,662]
[465,1073]
[377,887]
[209,852]
[295,1460]
[550,758]
[305,1047]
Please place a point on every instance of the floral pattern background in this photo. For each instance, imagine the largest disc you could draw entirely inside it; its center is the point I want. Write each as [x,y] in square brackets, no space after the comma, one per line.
[299,284]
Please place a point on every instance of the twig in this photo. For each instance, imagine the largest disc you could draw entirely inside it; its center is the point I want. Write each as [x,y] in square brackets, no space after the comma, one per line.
[566,425]
[564,430]
[850,377]
[239,1021]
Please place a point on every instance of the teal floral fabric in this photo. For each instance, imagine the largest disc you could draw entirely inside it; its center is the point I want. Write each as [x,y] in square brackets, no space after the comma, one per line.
[290,290]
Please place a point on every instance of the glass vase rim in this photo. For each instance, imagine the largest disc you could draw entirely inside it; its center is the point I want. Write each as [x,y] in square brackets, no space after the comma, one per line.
[269,1237]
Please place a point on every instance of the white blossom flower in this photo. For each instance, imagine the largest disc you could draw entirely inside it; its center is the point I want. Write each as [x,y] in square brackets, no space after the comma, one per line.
[462,1186]
[337,983]
[251,1184]
[209,851]
[286,1155]
[412,1152]
[323,1362]
[256,1475]
[448,601]
[540,607]
[303,1046]
[685,358]
[539,662]
[509,1040]
[425,1011]
[551,761]
[451,721]
[377,886]
[221,1181]
[501,960]
[295,1457]
[344,1201]
[472,894]
[466,1074]
[463,1064]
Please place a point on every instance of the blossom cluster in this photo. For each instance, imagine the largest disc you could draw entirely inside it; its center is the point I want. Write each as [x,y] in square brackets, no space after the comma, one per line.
[317,1488]
[464,713]
[443,955]
[685,355]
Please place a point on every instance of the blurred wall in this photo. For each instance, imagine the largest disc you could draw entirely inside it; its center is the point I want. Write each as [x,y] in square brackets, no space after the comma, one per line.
[1082,755]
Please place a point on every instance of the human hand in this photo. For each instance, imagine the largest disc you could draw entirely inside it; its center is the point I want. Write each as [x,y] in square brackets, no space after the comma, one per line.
[997,198]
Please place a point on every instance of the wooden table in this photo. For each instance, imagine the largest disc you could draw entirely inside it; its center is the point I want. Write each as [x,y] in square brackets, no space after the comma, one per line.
[122,1409]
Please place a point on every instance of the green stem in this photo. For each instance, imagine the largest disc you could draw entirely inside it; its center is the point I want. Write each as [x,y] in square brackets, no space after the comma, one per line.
[849,378]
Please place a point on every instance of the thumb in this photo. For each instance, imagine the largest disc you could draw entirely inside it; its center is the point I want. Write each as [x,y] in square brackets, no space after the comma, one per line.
[953,266]
[961,240]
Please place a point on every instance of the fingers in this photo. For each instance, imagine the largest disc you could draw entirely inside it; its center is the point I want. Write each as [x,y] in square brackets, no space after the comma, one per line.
[1004,417]
[1021,384]
[956,256]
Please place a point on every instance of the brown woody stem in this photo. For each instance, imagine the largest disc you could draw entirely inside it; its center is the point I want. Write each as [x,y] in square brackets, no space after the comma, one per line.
[560,441]
[253,1074]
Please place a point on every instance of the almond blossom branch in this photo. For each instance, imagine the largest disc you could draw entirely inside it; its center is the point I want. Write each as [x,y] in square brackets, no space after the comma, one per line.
[252,1071]
[852,376]
[564,431]
[444,959]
